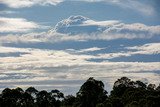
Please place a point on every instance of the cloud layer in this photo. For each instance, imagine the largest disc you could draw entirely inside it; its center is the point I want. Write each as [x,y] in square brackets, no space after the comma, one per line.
[59,68]
[77,28]
[48,68]
[134,5]
[29,3]
[16,25]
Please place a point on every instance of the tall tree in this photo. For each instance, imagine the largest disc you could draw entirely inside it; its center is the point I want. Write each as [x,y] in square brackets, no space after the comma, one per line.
[91,93]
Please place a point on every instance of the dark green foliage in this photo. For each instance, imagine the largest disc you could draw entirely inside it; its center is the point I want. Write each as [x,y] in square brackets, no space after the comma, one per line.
[31,90]
[69,101]
[125,93]
[43,99]
[135,94]
[30,98]
[91,93]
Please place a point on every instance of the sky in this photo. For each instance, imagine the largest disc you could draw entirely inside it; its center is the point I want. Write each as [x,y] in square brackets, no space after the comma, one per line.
[59,44]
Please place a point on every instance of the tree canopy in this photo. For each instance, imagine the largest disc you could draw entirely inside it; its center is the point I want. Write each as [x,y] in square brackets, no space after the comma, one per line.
[125,93]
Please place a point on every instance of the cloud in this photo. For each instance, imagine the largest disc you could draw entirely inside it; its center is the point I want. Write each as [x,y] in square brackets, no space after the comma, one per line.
[76,28]
[113,33]
[49,68]
[115,26]
[93,49]
[146,49]
[150,48]
[17,25]
[82,28]
[134,5]
[37,58]
[28,3]
[7,12]
[59,68]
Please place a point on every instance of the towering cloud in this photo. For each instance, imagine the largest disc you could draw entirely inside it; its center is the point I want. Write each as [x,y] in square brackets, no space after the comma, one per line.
[81,27]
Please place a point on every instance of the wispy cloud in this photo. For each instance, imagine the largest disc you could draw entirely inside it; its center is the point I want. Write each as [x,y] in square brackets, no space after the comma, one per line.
[60,68]
[146,49]
[90,49]
[134,5]
[112,32]
[150,48]
[82,28]
[17,25]
[28,3]
[7,12]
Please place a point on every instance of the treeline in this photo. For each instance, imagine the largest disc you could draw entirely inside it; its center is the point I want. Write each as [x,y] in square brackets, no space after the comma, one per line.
[125,93]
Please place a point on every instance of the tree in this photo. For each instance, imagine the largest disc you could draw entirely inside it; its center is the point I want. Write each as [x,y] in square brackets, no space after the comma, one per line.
[12,97]
[28,100]
[140,84]
[91,93]
[151,87]
[43,99]
[125,93]
[32,91]
[158,88]
[69,101]
[56,96]
[120,86]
